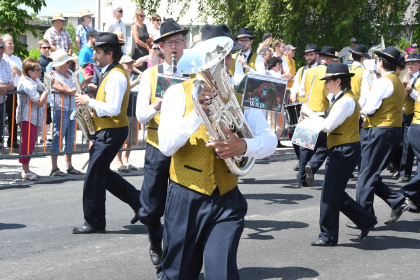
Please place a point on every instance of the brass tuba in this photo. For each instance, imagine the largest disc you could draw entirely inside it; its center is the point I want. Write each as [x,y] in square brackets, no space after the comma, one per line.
[207,59]
[82,113]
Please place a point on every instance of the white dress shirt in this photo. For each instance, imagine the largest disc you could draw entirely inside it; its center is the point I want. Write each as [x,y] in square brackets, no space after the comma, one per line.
[368,78]
[343,108]
[115,87]
[295,88]
[175,129]
[117,25]
[14,61]
[239,70]
[414,93]
[381,89]
[144,110]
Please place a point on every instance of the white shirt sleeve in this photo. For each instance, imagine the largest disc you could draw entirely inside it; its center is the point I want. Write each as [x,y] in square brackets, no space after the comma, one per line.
[343,108]
[367,80]
[144,110]
[259,65]
[295,88]
[381,89]
[115,87]
[301,91]
[175,129]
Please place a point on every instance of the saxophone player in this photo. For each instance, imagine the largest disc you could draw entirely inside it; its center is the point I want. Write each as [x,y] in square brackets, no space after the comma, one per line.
[156,164]
[204,204]
[111,126]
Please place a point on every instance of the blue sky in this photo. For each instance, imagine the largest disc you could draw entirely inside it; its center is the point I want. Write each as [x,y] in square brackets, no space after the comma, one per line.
[68,6]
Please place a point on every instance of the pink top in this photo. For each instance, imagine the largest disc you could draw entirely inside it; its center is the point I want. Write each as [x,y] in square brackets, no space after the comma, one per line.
[150,65]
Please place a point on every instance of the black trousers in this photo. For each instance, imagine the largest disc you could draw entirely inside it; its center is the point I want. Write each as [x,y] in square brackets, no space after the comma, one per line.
[99,178]
[407,157]
[153,192]
[11,121]
[379,145]
[201,228]
[313,158]
[296,148]
[340,164]
[412,188]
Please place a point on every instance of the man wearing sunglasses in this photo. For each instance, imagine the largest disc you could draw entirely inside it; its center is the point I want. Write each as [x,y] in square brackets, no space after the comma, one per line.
[58,36]
[116,24]
[156,164]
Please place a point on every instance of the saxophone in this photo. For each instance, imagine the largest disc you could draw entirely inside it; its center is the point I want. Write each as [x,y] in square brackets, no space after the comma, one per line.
[207,58]
[82,113]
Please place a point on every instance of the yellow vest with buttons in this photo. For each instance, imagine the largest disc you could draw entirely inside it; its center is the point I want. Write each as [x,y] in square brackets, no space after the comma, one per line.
[121,120]
[409,102]
[233,63]
[318,100]
[152,127]
[356,80]
[348,131]
[416,118]
[194,165]
[390,112]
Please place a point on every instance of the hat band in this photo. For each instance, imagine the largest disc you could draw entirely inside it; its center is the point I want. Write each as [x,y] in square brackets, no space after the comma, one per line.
[169,33]
[243,35]
[335,74]
[310,50]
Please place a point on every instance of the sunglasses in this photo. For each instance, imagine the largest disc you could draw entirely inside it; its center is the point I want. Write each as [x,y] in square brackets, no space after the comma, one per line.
[45,48]
[156,49]
[158,19]
[120,11]
[141,16]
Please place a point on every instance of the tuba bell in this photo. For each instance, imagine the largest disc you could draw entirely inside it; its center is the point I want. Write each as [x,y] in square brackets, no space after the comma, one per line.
[82,113]
[207,58]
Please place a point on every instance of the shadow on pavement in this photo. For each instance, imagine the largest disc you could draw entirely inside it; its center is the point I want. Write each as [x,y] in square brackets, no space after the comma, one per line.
[278,198]
[130,229]
[7,187]
[11,226]
[380,243]
[265,226]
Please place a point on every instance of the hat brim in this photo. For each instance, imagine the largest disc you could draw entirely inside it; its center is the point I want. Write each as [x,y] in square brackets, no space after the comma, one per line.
[337,75]
[387,56]
[412,59]
[58,19]
[61,63]
[360,53]
[327,54]
[311,50]
[85,15]
[103,44]
[172,33]
[245,36]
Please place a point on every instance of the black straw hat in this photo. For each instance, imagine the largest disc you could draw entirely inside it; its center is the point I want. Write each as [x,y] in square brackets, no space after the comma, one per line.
[212,31]
[244,33]
[391,54]
[170,28]
[337,70]
[412,57]
[107,39]
[328,51]
[360,50]
[310,48]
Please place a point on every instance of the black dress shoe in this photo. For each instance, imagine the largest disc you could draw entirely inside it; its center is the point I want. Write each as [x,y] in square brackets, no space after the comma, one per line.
[135,219]
[403,179]
[155,253]
[322,243]
[396,175]
[412,207]
[353,226]
[397,212]
[296,168]
[363,233]
[86,229]
[309,176]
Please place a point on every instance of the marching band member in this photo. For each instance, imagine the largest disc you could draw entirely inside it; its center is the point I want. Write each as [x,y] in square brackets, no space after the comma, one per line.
[111,126]
[412,189]
[204,214]
[156,164]
[382,136]
[407,157]
[311,160]
[359,53]
[310,57]
[247,60]
[343,141]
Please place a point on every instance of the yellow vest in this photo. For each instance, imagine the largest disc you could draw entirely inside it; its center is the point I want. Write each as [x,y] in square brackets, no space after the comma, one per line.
[318,100]
[250,64]
[416,118]
[348,131]
[196,167]
[390,112]
[152,127]
[292,67]
[356,80]
[115,121]
[299,74]
[409,102]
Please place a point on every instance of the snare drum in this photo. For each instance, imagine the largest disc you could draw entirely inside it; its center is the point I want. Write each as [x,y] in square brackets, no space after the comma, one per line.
[293,113]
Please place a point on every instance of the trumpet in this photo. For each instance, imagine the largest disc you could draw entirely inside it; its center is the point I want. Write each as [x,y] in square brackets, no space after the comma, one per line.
[224,109]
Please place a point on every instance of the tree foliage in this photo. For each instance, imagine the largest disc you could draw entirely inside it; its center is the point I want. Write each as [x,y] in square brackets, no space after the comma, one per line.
[322,22]
[14,20]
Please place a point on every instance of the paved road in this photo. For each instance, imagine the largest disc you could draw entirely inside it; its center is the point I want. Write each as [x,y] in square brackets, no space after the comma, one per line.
[282,220]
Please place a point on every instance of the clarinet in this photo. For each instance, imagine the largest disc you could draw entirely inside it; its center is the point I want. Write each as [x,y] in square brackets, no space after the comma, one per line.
[173,62]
